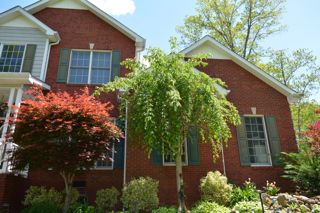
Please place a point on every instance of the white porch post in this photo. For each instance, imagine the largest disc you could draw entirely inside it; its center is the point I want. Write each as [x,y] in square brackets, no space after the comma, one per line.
[17,105]
[6,121]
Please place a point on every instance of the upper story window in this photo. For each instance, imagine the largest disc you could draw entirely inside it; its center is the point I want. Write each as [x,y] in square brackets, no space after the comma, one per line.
[259,151]
[90,67]
[11,58]
[106,163]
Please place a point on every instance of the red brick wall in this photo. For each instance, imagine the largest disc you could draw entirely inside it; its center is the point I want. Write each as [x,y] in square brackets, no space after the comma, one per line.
[12,192]
[79,28]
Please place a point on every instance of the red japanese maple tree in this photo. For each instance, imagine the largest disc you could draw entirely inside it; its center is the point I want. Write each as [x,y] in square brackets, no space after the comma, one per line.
[63,132]
[313,135]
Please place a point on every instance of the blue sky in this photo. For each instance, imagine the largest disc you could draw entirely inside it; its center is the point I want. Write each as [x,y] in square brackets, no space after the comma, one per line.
[156,21]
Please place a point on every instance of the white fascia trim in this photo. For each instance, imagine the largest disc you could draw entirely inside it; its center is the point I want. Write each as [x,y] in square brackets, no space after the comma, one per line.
[20,79]
[53,35]
[140,42]
[246,65]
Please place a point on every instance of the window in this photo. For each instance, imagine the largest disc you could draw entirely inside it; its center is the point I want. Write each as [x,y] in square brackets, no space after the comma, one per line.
[169,160]
[11,58]
[259,153]
[90,67]
[106,163]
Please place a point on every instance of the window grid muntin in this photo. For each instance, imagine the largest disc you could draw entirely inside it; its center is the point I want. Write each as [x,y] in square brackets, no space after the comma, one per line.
[105,164]
[90,64]
[13,64]
[257,140]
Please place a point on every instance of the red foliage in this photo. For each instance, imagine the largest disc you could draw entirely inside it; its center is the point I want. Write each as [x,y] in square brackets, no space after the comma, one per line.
[62,131]
[313,133]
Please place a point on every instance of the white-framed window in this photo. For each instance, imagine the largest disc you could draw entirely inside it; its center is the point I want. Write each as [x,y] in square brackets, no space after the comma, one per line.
[257,138]
[89,67]
[106,163]
[169,160]
[11,57]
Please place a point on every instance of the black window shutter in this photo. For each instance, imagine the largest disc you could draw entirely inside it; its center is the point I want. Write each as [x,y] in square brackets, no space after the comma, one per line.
[193,146]
[29,58]
[274,140]
[156,157]
[119,147]
[243,143]
[115,69]
[63,65]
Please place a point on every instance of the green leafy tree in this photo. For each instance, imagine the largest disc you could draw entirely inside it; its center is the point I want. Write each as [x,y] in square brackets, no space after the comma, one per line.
[240,25]
[167,98]
[299,71]
[63,132]
[306,112]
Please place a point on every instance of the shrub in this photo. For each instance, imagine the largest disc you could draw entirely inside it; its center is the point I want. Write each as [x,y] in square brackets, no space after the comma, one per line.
[209,207]
[39,194]
[303,168]
[248,206]
[214,187]
[271,188]
[106,199]
[43,206]
[165,210]
[316,208]
[140,195]
[247,193]
[84,208]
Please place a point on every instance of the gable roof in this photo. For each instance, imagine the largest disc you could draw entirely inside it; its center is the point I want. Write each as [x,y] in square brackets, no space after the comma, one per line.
[253,69]
[18,11]
[140,42]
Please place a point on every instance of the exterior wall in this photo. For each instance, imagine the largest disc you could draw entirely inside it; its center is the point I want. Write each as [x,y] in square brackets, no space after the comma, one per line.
[20,35]
[12,190]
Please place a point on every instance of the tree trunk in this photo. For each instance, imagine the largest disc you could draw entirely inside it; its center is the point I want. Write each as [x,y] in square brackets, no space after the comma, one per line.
[68,179]
[180,185]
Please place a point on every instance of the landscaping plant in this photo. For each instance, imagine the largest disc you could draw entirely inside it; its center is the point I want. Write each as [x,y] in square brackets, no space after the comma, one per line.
[165,210]
[106,199]
[271,188]
[39,194]
[140,194]
[246,193]
[63,132]
[209,207]
[303,167]
[248,206]
[215,188]
[166,99]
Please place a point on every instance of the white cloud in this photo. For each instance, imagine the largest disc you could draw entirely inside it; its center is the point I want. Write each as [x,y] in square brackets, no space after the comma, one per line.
[116,7]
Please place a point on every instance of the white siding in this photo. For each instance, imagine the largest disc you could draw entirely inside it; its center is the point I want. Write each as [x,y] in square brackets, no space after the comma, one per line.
[20,35]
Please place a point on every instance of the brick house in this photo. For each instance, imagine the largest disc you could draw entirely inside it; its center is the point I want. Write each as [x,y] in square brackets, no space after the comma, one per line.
[65,45]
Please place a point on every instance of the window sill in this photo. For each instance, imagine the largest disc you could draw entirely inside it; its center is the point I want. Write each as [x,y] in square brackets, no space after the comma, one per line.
[261,165]
[110,168]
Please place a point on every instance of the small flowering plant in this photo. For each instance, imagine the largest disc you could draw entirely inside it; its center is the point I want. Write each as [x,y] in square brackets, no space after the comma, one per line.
[271,188]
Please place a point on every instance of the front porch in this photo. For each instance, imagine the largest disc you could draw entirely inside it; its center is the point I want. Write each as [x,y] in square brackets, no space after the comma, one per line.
[12,88]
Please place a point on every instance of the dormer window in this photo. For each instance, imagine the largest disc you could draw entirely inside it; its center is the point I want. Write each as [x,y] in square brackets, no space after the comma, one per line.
[90,67]
[11,58]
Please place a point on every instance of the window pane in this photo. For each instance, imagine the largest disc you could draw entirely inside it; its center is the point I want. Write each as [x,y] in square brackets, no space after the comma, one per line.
[256,140]
[169,158]
[101,63]
[11,58]
[105,162]
[79,69]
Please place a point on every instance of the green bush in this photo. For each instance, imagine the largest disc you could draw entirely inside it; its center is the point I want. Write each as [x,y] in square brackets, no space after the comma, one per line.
[316,208]
[303,168]
[165,210]
[247,193]
[39,194]
[140,194]
[214,187]
[84,208]
[209,207]
[106,199]
[43,207]
[248,206]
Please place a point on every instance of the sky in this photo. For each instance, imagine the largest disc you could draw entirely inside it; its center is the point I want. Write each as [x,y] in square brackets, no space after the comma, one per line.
[156,20]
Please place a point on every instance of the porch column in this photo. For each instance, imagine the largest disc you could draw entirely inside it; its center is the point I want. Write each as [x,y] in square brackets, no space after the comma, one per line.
[17,104]
[6,121]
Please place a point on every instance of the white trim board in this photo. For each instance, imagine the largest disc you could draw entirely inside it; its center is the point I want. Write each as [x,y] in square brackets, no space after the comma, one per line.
[42,4]
[15,12]
[256,71]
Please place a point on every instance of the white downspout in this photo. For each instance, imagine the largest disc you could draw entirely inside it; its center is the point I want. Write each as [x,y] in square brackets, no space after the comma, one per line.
[223,161]
[125,146]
